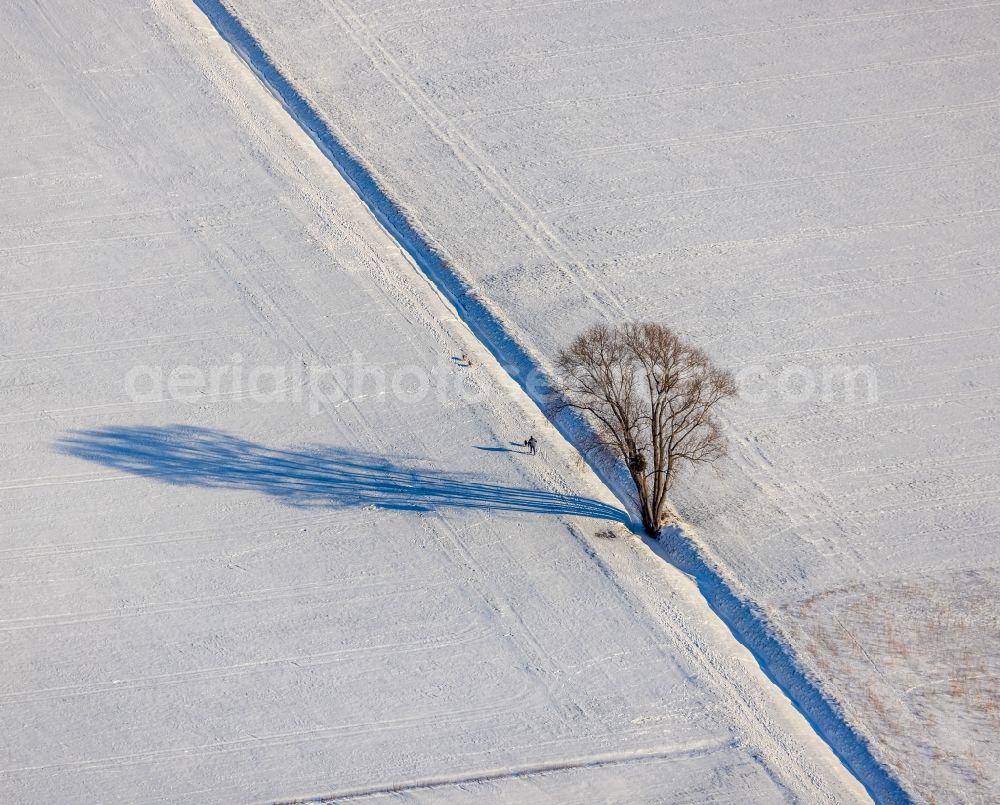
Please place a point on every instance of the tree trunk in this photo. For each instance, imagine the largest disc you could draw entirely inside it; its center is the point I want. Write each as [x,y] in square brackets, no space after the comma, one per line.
[651,520]
[650,517]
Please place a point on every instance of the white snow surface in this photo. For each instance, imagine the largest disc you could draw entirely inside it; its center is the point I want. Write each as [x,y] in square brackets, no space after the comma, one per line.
[218,599]
[803,189]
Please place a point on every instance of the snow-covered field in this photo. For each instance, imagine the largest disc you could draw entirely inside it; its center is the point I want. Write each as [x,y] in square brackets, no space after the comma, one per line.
[211,597]
[811,192]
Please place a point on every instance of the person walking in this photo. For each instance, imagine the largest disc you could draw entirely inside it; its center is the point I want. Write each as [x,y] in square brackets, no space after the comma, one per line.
[532,446]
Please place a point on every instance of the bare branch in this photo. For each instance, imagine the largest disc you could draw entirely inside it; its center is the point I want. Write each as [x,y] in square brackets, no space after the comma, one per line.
[651,399]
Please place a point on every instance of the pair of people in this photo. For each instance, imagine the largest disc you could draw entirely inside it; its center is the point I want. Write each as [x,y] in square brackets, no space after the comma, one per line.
[532,445]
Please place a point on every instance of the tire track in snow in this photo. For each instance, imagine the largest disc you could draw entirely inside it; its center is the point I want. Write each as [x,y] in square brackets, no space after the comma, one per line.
[157,538]
[468,634]
[470,157]
[670,92]
[788,128]
[106,347]
[741,617]
[897,169]
[691,750]
[255,742]
[659,42]
[93,287]
[376,590]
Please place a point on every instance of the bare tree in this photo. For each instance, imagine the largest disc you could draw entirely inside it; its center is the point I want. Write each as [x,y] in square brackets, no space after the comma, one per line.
[651,398]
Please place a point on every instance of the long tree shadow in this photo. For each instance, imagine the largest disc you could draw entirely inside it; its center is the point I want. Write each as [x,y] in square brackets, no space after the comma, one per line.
[310,476]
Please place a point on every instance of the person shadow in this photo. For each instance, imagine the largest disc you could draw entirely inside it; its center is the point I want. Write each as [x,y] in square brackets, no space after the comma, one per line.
[310,476]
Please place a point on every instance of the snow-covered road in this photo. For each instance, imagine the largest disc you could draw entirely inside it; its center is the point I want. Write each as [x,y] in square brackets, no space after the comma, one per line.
[216,597]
